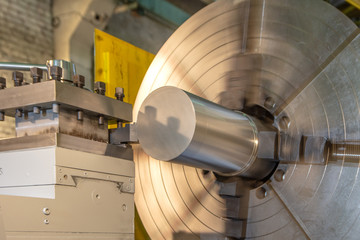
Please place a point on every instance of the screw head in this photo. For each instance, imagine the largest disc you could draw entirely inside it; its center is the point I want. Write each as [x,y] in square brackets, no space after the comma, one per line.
[55,108]
[2,83]
[279,175]
[18,113]
[80,115]
[18,78]
[261,193]
[119,93]
[46,211]
[284,123]
[46,221]
[79,80]
[36,110]
[55,72]
[36,72]
[124,207]
[101,120]
[269,103]
[100,88]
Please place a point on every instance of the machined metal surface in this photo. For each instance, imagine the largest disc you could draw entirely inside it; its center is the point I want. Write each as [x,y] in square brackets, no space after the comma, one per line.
[177,126]
[66,121]
[20,66]
[68,70]
[299,60]
[68,194]
[44,94]
[65,141]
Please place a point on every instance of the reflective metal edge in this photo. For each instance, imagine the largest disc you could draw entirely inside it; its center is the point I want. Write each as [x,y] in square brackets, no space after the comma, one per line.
[66,141]
[20,66]
[44,93]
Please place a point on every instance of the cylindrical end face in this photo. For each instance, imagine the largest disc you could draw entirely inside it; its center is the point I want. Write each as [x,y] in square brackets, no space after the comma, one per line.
[174,125]
[166,123]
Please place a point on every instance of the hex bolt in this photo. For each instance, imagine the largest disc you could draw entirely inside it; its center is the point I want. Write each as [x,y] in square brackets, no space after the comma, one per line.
[25,115]
[2,83]
[18,78]
[119,93]
[18,113]
[46,211]
[284,123]
[79,81]
[56,73]
[2,116]
[36,110]
[100,88]
[269,103]
[55,108]
[36,74]
[101,120]
[80,115]
[279,175]
[261,193]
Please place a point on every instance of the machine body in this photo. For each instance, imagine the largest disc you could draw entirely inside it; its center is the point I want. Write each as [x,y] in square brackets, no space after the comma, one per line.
[61,173]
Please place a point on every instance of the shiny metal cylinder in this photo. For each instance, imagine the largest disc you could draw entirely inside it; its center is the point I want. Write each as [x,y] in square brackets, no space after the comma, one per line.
[20,66]
[177,126]
[68,69]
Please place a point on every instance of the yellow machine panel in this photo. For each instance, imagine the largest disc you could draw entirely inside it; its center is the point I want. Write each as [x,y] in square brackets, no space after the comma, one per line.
[120,64]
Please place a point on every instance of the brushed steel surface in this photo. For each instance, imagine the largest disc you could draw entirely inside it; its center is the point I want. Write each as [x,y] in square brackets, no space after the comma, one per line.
[20,66]
[65,141]
[64,121]
[45,93]
[305,55]
[68,68]
[177,126]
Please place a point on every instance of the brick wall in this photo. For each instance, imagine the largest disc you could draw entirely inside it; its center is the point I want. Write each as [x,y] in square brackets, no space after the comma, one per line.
[25,36]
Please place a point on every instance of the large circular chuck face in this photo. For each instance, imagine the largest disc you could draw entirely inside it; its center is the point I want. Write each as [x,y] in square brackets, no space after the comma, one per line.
[300,61]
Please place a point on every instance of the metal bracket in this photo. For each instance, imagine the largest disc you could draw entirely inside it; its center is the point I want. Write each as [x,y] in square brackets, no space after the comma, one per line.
[67,176]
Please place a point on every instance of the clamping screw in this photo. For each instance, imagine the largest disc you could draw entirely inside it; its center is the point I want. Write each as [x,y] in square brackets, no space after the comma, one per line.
[100,88]
[119,93]
[36,74]
[79,81]
[56,72]
[2,83]
[18,78]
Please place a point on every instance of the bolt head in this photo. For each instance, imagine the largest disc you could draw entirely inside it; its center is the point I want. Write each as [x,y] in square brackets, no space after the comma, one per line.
[2,83]
[46,211]
[119,93]
[124,207]
[56,71]
[100,87]
[279,175]
[261,193]
[269,103]
[79,80]
[18,76]
[284,123]
[119,90]
[36,72]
